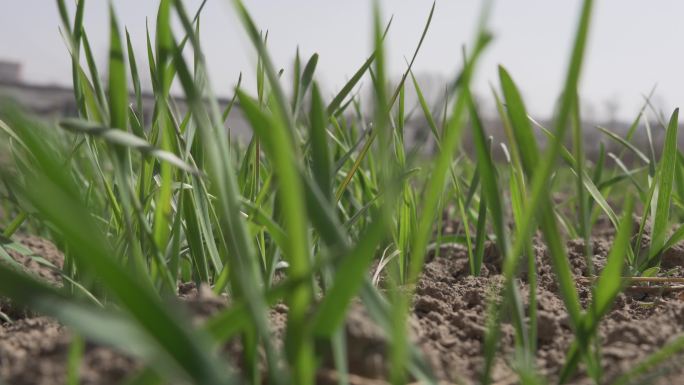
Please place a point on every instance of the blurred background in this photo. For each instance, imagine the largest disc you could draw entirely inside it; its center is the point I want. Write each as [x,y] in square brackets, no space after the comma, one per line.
[633,48]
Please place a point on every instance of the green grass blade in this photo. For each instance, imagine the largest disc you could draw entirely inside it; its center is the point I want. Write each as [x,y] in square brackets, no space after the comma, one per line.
[98,89]
[118,86]
[320,154]
[137,88]
[304,83]
[280,148]
[450,141]
[609,282]
[400,86]
[128,140]
[481,236]
[334,105]
[490,184]
[588,183]
[522,132]
[74,359]
[627,145]
[349,279]
[426,110]
[666,174]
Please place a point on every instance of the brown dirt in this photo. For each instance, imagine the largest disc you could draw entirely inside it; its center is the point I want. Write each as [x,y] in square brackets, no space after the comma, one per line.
[34,349]
[451,308]
[45,250]
[447,324]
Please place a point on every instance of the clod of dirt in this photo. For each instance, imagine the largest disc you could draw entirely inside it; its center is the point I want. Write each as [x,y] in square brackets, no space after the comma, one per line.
[202,302]
[43,249]
[671,258]
[451,310]
[34,351]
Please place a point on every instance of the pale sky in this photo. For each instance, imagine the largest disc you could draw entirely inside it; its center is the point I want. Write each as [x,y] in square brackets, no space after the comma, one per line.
[634,44]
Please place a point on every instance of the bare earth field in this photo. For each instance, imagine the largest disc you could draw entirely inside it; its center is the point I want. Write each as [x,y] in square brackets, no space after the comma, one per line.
[447,324]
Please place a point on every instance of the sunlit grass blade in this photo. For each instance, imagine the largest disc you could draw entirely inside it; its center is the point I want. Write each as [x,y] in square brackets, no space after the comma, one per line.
[124,139]
[522,129]
[665,180]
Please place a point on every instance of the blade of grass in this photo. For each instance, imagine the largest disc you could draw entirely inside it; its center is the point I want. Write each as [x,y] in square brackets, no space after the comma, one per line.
[666,173]
[118,137]
[278,144]
[450,140]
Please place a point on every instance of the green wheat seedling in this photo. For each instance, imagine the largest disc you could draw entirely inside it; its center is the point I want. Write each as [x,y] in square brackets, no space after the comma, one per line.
[327,185]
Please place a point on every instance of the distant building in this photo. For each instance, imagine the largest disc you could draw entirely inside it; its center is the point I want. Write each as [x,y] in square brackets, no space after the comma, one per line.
[10,72]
